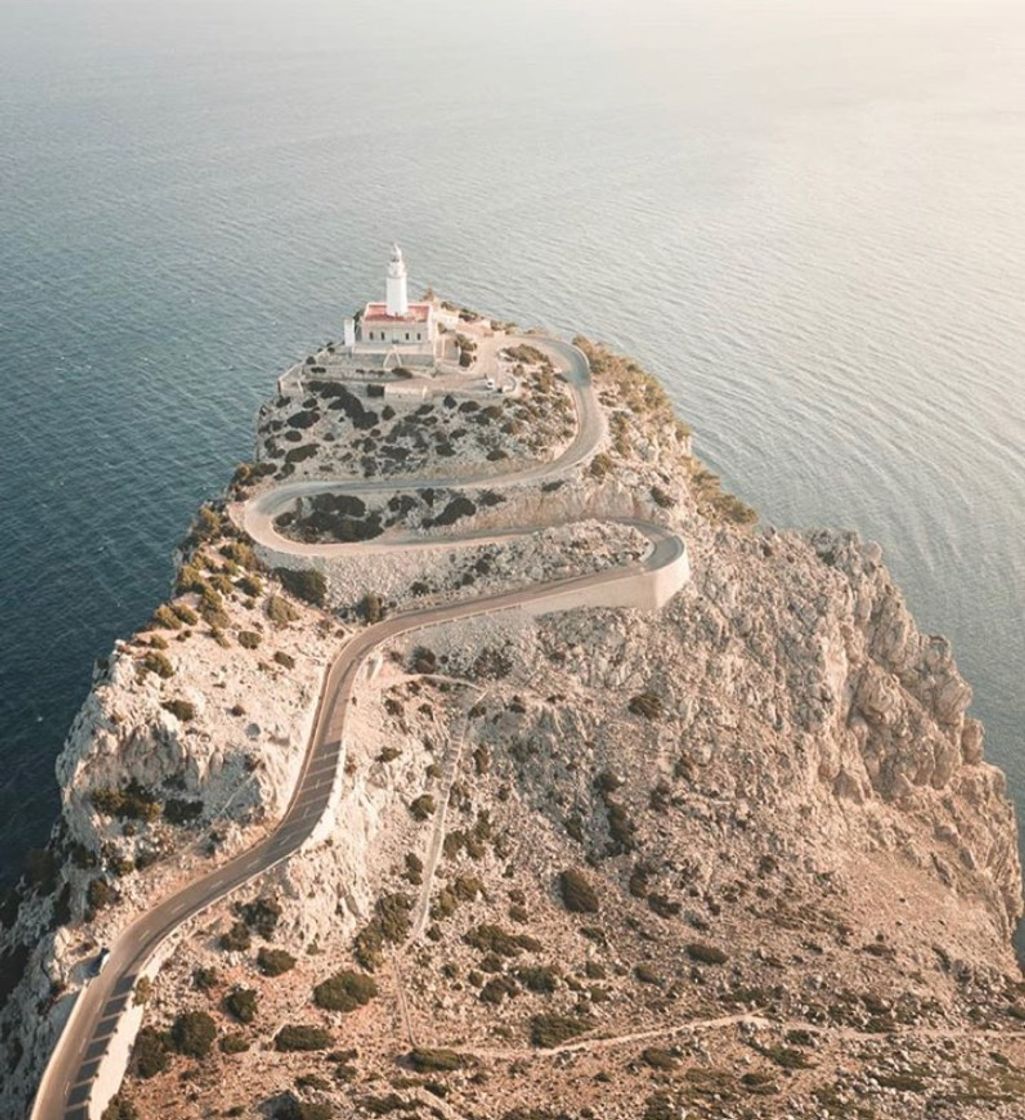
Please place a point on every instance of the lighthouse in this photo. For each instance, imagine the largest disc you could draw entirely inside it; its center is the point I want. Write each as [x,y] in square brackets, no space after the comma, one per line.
[398,293]
[395,329]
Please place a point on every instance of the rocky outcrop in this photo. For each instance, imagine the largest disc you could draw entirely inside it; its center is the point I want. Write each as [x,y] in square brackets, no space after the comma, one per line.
[801,873]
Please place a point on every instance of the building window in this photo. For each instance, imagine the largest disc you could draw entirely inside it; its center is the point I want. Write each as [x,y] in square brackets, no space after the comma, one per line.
[407,336]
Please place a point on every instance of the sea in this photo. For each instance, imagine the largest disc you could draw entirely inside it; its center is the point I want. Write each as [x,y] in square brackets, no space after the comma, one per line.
[806,216]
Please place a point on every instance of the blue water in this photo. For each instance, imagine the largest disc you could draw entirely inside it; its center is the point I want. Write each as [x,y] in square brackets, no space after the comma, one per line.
[808,216]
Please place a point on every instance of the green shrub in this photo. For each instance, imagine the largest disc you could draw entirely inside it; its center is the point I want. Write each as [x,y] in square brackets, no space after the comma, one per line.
[205,979]
[393,916]
[193,1033]
[237,939]
[658,1059]
[543,979]
[234,1043]
[242,1004]
[166,619]
[262,915]
[251,585]
[157,662]
[493,939]
[120,1108]
[297,1036]
[248,639]
[547,1031]
[149,1053]
[600,466]
[426,1060]
[423,807]
[706,954]
[291,1108]
[371,609]
[345,991]
[207,525]
[239,551]
[368,947]
[285,660]
[647,704]
[280,611]
[179,811]
[185,613]
[180,709]
[273,962]
[647,975]
[577,893]
[132,802]
[190,579]
[305,583]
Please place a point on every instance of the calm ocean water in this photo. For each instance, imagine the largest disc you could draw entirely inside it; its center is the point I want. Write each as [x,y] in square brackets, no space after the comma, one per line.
[808,216]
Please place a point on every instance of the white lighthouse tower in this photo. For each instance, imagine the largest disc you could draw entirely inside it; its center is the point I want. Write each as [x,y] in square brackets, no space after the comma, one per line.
[398,294]
[394,330]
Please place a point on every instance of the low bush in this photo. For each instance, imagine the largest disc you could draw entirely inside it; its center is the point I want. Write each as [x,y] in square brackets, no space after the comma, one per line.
[242,1004]
[248,639]
[280,611]
[205,979]
[234,1043]
[184,613]
[237,939]
[647,975]
[179,811]
[426,1060]
[658,1058]
[120,1108]
[261,915]
[371,609]
[547,1031]
[273,962]
[193,1033]
[180,709]
[165,618]
[291,1108]
[489,938]
[149,1053]
[706,954]
[132,802]
[298,1036]
[543,979]
[251,585]
[647,704]
[345,991]
[159,663]
[305,583]
[577,893]
[423,807]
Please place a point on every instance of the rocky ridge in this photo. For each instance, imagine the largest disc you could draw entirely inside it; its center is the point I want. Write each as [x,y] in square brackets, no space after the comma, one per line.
[741,858]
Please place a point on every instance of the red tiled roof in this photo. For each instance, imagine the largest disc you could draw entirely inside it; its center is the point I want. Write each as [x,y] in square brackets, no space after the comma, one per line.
[378,313]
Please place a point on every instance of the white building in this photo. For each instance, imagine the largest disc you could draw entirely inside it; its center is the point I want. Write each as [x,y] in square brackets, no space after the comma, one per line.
[396,326]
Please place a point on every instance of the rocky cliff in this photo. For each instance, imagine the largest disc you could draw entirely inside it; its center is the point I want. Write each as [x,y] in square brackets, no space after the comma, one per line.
[740,857]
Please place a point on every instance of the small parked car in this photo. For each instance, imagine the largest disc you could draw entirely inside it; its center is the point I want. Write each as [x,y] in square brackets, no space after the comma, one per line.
[100,963]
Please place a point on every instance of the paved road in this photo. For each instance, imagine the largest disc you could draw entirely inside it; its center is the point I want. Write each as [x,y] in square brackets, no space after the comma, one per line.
[66,1089]
[258,515]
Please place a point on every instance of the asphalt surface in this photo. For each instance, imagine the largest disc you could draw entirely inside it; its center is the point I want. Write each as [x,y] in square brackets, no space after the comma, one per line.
[68,1081]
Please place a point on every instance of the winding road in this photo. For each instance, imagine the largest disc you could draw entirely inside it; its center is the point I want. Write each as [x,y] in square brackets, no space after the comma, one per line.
[82,1072]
